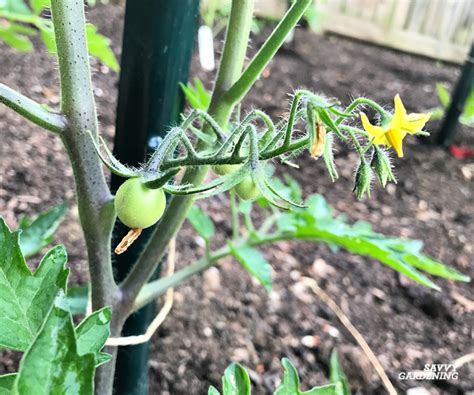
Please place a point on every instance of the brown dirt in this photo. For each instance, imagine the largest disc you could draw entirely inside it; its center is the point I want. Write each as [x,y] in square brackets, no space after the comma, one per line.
[224,316]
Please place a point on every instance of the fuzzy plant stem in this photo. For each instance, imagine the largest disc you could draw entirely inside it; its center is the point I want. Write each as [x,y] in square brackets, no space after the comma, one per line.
[229,79]
[237,36]
[94,200]
[31,110]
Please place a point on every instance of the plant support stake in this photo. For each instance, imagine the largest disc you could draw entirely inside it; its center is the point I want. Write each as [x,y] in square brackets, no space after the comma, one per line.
[157,46]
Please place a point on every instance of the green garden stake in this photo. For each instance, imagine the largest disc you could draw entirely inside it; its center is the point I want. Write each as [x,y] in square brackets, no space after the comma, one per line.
[157,46]
[461,92]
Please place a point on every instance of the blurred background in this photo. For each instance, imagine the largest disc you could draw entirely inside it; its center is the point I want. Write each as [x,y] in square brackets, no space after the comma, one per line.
[344,49]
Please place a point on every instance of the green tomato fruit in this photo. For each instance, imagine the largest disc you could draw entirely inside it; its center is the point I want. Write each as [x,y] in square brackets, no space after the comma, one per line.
[138,206]
[222,170]
[247,190]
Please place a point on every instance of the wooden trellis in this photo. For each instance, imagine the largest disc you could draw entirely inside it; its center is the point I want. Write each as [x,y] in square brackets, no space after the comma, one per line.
[441,29]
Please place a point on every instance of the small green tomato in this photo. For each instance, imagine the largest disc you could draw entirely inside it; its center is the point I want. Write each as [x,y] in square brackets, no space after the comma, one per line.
[138,206]
[222,170]
[247,190]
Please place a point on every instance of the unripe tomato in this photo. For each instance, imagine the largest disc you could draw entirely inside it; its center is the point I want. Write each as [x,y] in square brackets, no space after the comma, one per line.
[138,206]
[247,190]
[222,170]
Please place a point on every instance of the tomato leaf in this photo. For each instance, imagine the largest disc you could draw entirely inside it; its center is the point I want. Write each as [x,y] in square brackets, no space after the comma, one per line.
[99,46]
[38,233]
[77,299]
[15,38]
[15,6]
[337,376]
[318,224]
[290,384]
[254,262]
[39,5]
[201,222]
[53,364]
[236,381]
[212,391]
[6,383]
[93,332]
[26,298]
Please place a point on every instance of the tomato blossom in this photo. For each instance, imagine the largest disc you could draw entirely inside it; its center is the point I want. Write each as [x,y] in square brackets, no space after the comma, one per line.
[393,130]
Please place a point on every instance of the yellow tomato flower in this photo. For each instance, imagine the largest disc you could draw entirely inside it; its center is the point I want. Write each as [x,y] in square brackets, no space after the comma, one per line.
[398,127]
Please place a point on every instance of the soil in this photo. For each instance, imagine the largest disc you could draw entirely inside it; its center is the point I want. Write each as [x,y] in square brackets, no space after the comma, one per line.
[222,315]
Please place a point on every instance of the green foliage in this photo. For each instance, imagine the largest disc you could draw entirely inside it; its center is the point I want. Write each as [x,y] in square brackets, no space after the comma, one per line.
[318,223]
[77,299]
[54,364]
[35,317]
[237,382]
[254,262]
[17,15]
[38,232]
[93,332]
[467,116]
[290,384]
[25,298]
[6,383]
[337,376]
[197,96]
[99,47]
[201,222]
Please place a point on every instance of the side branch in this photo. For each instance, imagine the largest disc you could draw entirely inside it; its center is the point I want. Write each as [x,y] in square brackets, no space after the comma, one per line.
[266,53]
[32,110]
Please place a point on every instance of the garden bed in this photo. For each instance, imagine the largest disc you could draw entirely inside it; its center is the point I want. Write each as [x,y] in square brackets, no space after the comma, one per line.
[222,315]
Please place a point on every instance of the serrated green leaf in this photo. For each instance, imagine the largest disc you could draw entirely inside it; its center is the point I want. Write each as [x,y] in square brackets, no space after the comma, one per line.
[52,364]
[16,6]
[15,40]
[99,46]
[316,223]
[337,376]
[39,232]
[77,299]
[213,391]
[6,383]
[254,262]
[290,384]
[203,94]
[191,97]
[93,332]
[39,5]
[197,96]
[201,222]
[236,381]
[101,358]
[26,298]
[47,36]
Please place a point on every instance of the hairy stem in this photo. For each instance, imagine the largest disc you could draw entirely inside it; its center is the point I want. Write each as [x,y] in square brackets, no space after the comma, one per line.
[156,288]
[31,110]
[94,200]
[267,51]
[233,57]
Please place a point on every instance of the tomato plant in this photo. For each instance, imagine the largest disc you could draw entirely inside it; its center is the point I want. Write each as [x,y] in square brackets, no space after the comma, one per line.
[38,305]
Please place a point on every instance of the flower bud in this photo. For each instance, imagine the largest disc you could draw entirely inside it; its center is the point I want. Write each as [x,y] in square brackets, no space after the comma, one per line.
[382,166]
[363,178]
[317,148]
[329,158]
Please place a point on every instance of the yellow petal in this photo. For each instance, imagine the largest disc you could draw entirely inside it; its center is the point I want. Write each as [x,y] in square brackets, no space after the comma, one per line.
[395,139]
[400,113]
[413,123]
[375,131]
